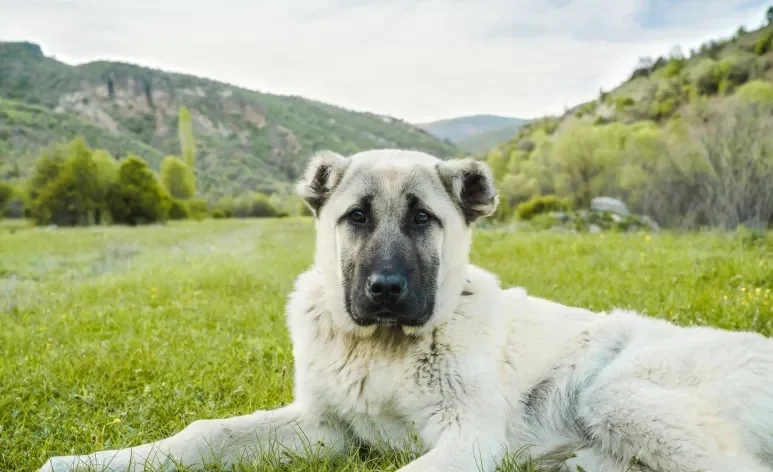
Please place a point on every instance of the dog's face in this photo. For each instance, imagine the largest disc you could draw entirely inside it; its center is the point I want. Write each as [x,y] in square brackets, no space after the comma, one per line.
[393,233]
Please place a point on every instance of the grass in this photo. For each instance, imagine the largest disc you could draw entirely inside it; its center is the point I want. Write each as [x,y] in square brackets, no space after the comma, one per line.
[113,337]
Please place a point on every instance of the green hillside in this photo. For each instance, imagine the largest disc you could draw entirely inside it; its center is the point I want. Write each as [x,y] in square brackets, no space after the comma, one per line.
[687,139]
[246,140]
[458,130]
[24,128]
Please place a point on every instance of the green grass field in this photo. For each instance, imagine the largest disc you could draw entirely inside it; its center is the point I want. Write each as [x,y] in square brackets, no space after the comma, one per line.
[112,337]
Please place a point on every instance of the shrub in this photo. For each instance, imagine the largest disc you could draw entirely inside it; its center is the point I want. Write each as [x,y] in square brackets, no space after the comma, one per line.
[722,176]
[6,193]
[622,103]
[225,206]
[220,214]
[137,197]
[541,204]
[704,77]
[756,91]
[764,43]
[256,205]
[674,67]
[178,210]
[15,205]
[198,209]
[737,69]
[178,178]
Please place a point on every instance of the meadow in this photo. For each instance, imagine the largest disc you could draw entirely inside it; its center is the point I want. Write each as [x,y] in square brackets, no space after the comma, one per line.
[114,336]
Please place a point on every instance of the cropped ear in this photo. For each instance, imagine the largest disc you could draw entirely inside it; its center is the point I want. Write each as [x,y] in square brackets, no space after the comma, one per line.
[471,186]
[321,177]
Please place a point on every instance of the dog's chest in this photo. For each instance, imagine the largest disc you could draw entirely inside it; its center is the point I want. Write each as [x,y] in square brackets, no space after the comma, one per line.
[383,388]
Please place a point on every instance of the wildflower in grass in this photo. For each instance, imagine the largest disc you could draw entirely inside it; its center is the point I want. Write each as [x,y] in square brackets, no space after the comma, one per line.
[117,420]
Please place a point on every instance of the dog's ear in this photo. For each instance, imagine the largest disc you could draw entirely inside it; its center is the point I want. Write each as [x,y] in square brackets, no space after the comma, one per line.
[471,186]
[321,177]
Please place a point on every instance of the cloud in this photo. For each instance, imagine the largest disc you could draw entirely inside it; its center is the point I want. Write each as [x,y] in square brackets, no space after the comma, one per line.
[416,59]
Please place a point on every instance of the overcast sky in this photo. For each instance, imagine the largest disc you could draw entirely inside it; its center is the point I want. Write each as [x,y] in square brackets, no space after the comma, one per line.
[415,59]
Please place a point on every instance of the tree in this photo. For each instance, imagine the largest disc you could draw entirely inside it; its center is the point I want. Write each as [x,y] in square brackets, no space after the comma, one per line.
[187,141]
[106,175]
[53,197]
[585,160]
[769,15]
[84,180]
[137,197]
[178,178]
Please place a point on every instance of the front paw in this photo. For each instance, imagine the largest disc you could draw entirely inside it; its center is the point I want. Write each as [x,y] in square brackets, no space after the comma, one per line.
[60,464]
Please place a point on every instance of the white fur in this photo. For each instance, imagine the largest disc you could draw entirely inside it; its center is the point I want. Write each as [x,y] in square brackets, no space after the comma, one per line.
[497,371]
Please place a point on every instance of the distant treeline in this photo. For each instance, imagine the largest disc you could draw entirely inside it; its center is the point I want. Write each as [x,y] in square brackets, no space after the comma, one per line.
[74,185]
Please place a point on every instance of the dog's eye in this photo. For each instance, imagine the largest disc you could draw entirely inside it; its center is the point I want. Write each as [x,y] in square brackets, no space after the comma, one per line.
[357,216]
[421,217]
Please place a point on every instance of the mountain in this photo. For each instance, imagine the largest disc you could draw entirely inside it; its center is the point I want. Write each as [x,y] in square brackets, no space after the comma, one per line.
[246,140]
[463,129]
[484,140]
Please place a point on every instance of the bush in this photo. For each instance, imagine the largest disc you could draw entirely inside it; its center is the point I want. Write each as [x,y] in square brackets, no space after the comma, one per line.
[721,176]
[220,214]
[663,109]
[256,205]
[178,210]
[705,77]
[674,67]
[14,206]
[6,194]
[541,204]
[737,69]
[756,91]
[198,209]
[764,43]
[622,103]
[178,178]
[137,197]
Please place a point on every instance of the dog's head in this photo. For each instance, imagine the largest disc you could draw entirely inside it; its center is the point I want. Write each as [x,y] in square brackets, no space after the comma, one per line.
[393,233]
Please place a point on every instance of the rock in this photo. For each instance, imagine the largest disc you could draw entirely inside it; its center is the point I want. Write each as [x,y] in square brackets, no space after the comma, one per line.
[611,205]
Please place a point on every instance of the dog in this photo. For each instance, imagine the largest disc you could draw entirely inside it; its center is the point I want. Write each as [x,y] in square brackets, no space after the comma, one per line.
[397,337]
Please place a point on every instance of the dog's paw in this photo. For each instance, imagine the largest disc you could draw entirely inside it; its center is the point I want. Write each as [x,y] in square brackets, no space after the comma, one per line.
[60,464]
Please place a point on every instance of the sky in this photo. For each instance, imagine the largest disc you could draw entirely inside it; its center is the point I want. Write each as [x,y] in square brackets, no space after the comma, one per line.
[419,60]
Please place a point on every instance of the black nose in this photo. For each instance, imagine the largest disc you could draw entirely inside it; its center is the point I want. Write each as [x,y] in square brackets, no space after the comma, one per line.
[387,289]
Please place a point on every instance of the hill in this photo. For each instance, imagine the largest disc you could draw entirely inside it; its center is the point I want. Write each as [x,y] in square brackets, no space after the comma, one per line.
[246,140]
[687,139]
[458,130]
[485,140]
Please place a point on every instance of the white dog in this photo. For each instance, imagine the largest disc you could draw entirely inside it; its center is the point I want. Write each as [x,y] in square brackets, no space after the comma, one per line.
[394,333]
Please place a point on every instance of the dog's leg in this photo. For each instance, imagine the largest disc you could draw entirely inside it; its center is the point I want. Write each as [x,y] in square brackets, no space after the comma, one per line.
[666,429]
[291,429]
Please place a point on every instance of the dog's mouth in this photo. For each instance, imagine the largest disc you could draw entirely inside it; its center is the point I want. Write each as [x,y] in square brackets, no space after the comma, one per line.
[390,319]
